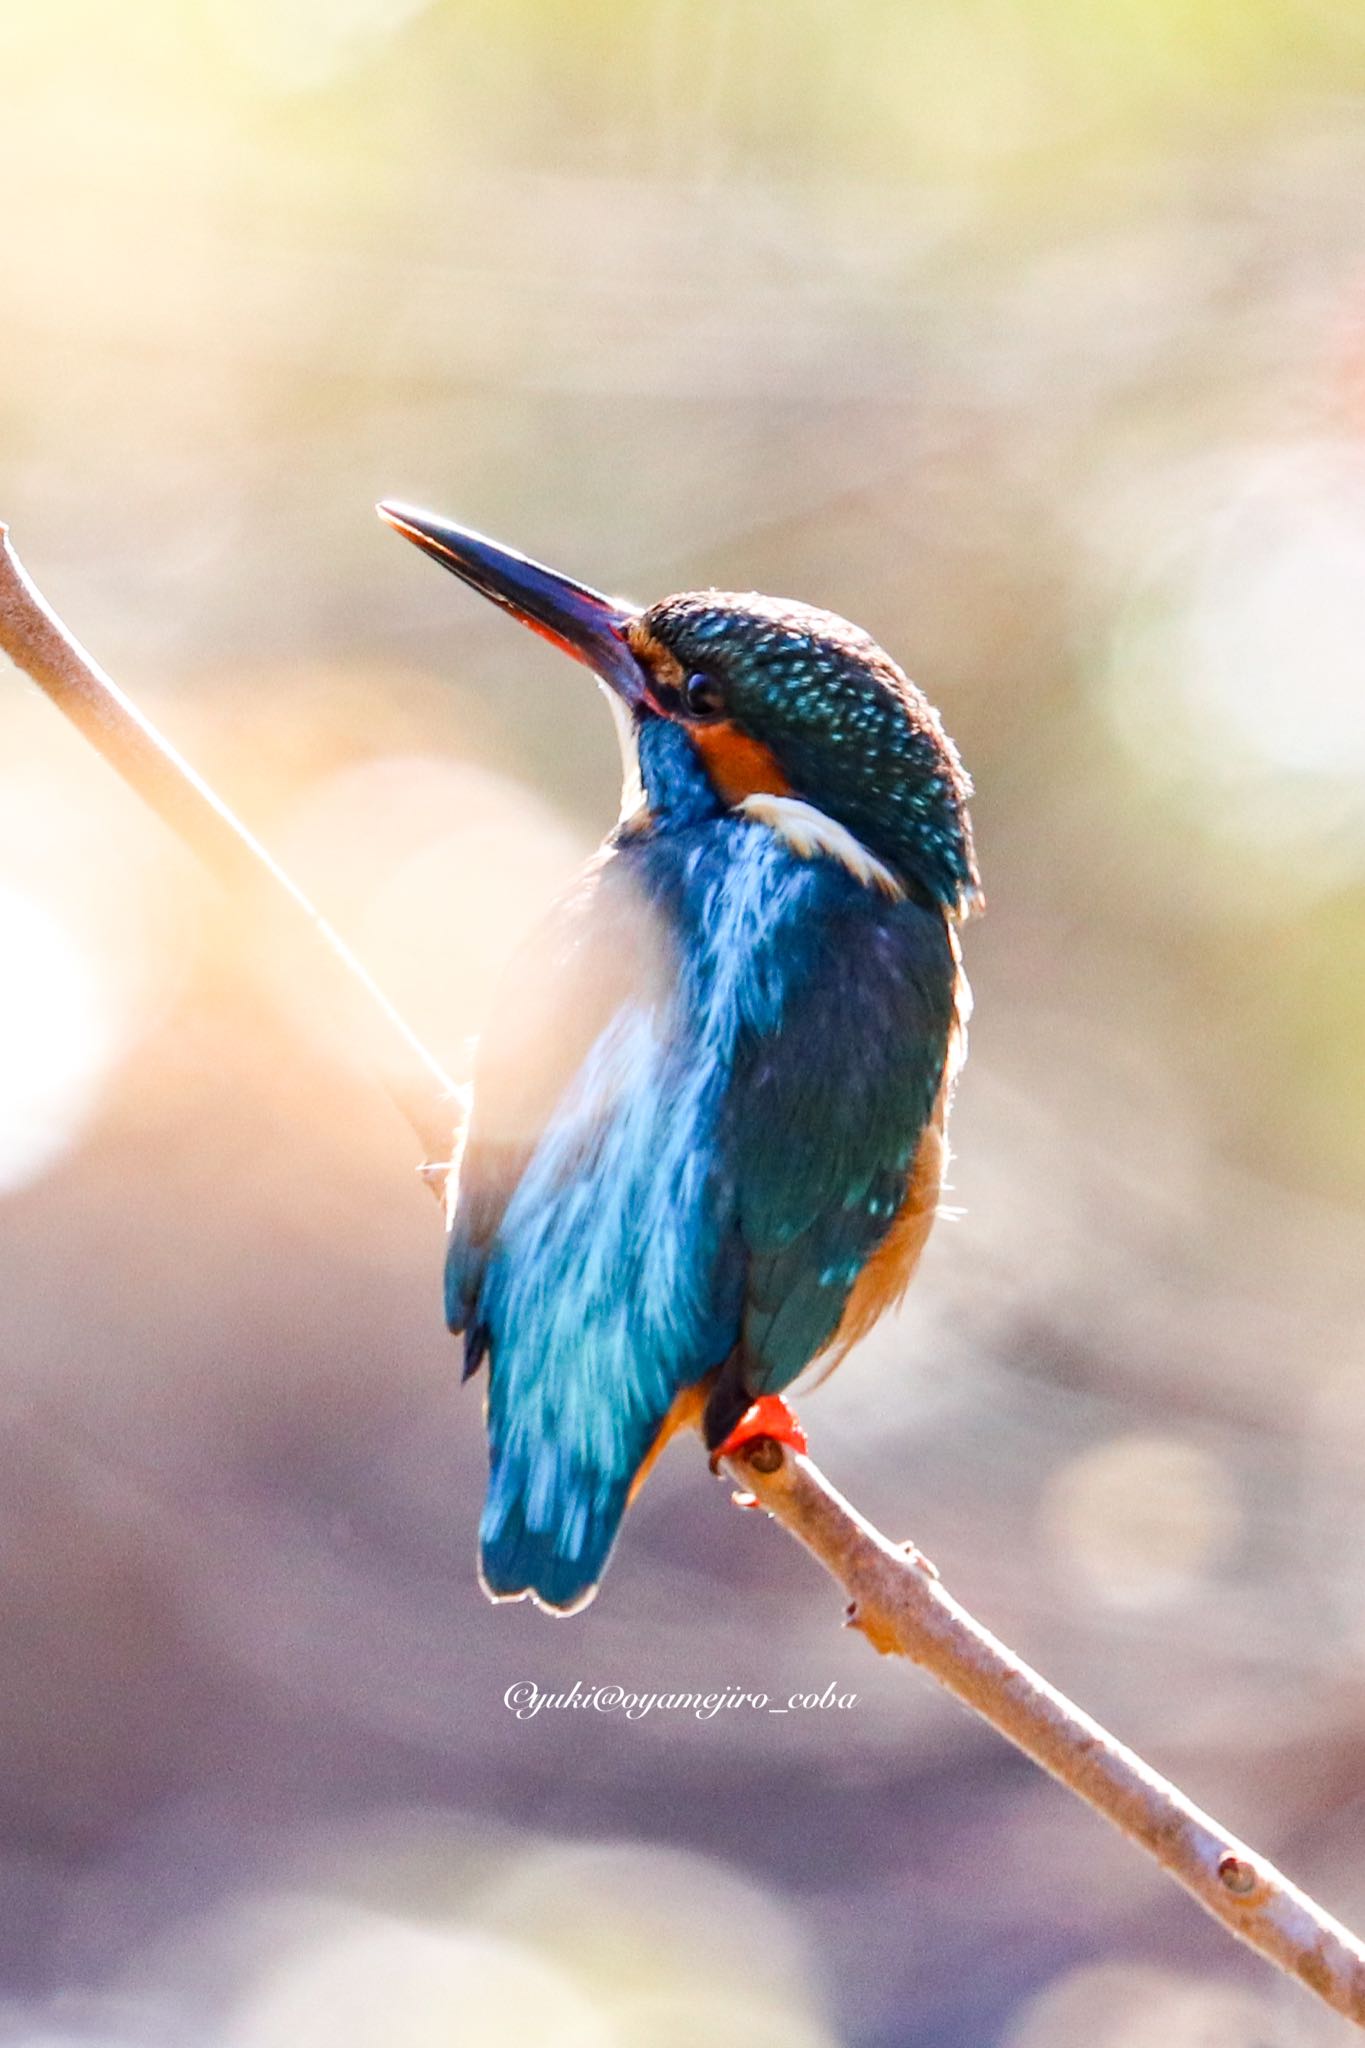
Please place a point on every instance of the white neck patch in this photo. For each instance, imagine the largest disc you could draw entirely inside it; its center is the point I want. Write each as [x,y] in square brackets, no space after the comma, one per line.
[809,832]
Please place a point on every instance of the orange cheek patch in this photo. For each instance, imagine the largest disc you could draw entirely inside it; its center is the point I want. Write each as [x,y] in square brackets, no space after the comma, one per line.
[737,765]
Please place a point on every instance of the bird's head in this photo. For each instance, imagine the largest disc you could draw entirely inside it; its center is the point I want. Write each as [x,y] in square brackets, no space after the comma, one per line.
[774,698]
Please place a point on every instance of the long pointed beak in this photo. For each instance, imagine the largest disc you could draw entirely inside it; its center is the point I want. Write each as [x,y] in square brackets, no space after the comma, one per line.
[581,621]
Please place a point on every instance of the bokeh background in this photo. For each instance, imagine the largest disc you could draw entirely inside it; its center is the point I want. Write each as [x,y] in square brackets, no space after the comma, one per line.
[1030,334]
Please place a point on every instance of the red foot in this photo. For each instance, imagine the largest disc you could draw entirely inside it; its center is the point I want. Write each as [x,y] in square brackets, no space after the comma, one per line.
[769,1418]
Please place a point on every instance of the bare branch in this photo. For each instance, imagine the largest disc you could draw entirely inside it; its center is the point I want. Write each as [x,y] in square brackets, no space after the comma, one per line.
[37,642]
[895,1595]
[898,1601]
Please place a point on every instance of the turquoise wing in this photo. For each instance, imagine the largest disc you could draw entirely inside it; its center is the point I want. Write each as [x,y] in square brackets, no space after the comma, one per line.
[828,1117]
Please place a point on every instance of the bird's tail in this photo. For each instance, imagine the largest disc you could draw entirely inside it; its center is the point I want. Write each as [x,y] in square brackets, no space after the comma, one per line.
[549,1523]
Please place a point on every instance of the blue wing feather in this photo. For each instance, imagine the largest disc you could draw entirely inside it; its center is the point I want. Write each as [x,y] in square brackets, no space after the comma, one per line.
[599,949]
[593,1252]
[829,1118]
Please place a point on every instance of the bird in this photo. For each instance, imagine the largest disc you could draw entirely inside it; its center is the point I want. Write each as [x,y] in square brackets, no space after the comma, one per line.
[707,1134]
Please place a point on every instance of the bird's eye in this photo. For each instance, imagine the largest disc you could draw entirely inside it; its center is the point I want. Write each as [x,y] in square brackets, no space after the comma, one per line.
[703,697]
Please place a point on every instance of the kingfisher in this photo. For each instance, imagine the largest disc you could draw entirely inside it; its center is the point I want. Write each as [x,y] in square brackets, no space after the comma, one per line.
[706,1139]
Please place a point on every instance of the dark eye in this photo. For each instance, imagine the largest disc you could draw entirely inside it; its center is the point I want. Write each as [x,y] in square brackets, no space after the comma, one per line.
[703,697]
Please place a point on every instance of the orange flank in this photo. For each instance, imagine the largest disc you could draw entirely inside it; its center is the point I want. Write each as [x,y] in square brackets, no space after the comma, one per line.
[684,1414]
[891,1267]
[737,765]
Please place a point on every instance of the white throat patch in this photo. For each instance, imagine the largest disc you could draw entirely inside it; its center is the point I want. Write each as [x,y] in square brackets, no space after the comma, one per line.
[809,832]
[632,787]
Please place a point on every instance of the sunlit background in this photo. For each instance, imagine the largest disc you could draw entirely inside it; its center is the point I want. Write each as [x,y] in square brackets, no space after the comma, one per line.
[1030,334]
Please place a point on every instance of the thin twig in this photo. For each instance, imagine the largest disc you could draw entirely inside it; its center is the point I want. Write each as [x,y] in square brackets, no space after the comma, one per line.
[37,642]
[897,1599]
[895,1596]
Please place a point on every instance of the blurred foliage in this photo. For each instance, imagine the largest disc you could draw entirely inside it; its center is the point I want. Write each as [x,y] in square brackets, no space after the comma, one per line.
[1033,337]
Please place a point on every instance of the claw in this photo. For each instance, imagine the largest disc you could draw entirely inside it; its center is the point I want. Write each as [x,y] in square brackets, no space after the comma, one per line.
[768,1420]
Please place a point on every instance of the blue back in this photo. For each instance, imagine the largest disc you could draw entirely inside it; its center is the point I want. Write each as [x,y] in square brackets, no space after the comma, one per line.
[697,1107]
